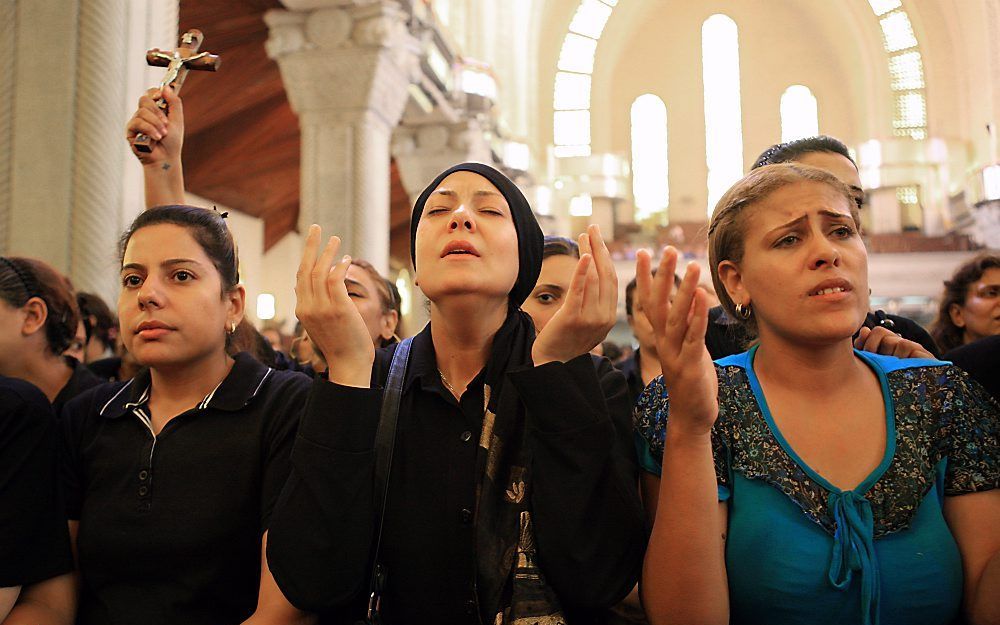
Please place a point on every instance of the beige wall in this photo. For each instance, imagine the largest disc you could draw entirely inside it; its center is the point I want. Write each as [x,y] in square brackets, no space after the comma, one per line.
[835,48]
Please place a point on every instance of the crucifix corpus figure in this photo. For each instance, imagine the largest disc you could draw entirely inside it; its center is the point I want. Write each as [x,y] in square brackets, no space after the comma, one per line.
[178,62]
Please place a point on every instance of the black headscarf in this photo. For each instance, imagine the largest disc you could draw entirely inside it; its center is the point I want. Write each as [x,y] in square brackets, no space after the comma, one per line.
[530,240]
[504,533]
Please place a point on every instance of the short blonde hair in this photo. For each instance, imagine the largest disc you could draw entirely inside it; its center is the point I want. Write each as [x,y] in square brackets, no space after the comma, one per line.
[727,229]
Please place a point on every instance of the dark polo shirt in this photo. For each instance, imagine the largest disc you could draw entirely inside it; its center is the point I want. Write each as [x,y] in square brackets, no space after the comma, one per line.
[171,525]
[34,540]
[81,380]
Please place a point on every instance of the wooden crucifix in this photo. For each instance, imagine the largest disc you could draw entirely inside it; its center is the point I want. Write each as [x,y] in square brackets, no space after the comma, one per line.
[178,62]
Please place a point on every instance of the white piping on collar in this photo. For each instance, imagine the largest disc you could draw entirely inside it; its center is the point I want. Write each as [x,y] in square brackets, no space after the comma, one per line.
[208,398]
[115,396]
[201,405]
[257,390]
[142,399]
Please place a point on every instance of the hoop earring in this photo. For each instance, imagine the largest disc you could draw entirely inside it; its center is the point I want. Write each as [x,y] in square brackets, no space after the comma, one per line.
[232,327]
[744,311]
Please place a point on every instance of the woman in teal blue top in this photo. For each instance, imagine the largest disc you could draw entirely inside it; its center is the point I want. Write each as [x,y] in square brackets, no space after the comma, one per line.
[805,481]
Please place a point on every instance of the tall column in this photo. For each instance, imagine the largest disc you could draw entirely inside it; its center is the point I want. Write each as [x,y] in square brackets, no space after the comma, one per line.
[64,177]
[98,146]
[347,70]
[8,47]
[41,130]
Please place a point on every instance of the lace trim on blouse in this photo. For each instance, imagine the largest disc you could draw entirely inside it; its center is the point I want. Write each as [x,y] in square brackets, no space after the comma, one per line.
[939,413]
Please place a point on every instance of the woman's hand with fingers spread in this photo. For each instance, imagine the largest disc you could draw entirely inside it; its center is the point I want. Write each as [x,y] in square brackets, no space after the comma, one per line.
[679,327]
[329,316]
[165,128]
[590,309]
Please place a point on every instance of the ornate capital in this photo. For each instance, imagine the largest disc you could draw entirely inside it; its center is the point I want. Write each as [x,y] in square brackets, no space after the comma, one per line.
[423,151]
[345,56]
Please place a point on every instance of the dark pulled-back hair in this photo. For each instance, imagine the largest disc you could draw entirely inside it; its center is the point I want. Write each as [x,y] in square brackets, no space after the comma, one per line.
[24,278]
[207,227]
[560,246]
[945,333]
[98,320]
[791,150]
[388,295]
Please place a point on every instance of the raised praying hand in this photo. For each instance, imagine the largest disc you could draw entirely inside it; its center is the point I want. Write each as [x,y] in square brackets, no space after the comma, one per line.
[589,310]
[328,314]
[679,328]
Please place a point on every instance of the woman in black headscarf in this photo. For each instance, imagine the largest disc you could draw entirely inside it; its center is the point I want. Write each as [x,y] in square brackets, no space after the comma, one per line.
[512,490]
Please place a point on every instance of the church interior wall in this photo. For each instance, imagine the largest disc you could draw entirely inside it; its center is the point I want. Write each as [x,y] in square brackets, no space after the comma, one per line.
[776,51]
[962,61]
[278,266]
[651,46]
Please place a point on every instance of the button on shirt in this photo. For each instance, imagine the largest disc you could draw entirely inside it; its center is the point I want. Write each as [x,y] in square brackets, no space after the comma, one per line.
[171,525]
[588,522]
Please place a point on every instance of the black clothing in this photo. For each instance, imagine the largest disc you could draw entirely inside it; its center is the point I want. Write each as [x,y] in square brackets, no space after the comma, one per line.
[284,362]
[587,518]
[906,328]
[530,240]
[34,539]
[981,360]
[171,525]
[108,369]
[631,368]
[81,380]
[725,337]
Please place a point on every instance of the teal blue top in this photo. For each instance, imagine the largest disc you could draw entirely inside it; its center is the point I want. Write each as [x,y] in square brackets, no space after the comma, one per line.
[801,550]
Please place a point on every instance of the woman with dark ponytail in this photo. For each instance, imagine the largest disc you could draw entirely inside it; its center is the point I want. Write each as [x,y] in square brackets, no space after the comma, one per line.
[170,478]
[40,317]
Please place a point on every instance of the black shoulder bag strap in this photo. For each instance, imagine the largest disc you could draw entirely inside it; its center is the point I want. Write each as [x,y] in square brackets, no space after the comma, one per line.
[385,439]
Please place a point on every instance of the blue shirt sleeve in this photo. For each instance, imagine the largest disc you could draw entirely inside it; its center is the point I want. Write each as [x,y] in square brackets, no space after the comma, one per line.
[972,430]
[650,421]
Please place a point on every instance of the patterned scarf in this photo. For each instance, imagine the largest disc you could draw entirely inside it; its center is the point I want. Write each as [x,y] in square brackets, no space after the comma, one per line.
[511,588]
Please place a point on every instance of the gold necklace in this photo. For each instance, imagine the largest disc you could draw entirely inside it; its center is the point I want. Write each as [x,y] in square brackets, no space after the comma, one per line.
[446,383]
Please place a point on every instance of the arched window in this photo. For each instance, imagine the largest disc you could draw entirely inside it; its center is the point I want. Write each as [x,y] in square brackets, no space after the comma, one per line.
[720,57]
[649,155]
[906,69]
[799,117]
[571,118]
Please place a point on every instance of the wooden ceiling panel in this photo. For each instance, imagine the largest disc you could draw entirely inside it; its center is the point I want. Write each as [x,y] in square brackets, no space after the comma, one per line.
[242,144]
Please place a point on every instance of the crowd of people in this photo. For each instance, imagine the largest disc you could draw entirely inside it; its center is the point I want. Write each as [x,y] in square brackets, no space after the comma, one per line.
[787,456]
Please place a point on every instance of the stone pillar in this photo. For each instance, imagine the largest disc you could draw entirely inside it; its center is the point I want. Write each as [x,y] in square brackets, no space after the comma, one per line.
[8,47]
[423,151]
[347,70]
[66,67]
[41,129]
[99,150]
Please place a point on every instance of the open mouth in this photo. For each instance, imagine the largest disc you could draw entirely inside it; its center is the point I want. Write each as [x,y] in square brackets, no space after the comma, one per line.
[459,248]
[830,287]
[828,291]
